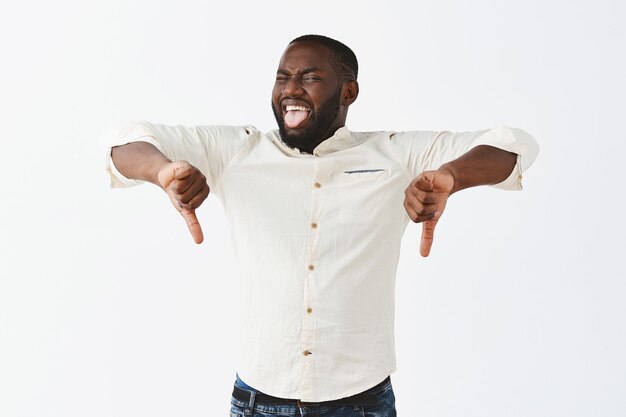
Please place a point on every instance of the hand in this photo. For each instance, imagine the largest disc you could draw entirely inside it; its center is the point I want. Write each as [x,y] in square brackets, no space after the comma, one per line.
[187,189]
[425,200]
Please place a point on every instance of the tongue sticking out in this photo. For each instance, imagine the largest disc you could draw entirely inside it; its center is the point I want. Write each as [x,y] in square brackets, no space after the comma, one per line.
[293,118]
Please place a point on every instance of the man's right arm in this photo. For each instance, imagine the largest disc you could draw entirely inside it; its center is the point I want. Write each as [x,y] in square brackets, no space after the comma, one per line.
[184,184]
[139,161]
[143,151]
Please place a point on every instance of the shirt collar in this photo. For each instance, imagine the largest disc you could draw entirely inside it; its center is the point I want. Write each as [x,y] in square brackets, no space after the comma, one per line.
[342,139]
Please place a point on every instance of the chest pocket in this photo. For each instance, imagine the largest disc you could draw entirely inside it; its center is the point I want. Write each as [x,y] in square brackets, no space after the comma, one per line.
[366,195]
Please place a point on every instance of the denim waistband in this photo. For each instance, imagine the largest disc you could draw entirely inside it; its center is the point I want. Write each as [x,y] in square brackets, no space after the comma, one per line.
[367,397]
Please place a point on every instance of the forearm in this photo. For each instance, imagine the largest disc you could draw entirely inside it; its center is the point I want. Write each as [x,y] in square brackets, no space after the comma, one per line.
[139,161]
[482,165]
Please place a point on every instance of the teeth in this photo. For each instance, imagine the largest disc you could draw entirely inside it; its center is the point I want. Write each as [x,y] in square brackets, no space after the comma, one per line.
[296,108]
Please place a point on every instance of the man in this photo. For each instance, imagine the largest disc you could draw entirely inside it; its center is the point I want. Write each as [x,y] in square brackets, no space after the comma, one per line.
[317,214]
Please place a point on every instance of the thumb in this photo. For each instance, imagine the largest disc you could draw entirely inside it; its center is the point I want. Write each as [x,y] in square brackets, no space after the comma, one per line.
[165,177]
[193,224]
[428,234]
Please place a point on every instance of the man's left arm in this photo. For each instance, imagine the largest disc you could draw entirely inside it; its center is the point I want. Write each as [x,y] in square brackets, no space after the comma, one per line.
[427,195]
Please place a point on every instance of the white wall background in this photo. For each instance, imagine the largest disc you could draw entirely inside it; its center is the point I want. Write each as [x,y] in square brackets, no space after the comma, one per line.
[108,309]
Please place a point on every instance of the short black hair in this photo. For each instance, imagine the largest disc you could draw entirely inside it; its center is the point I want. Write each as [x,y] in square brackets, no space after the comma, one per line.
[346,59]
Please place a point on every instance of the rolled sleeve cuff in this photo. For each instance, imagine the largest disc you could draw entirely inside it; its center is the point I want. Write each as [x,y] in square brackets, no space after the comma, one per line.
[130,132]
[516,141]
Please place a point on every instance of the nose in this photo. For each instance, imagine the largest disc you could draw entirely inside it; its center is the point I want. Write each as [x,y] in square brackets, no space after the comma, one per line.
[293,87]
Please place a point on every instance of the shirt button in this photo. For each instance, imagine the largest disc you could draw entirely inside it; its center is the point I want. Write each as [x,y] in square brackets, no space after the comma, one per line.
[309,310]
[317,185]
[314,225]
[311,267]
[307,353]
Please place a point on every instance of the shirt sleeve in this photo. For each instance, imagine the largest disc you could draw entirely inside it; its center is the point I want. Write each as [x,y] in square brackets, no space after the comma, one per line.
[208,148]
[425,151]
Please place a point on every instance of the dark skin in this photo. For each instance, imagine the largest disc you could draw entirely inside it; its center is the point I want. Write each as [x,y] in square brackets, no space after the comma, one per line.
[308,76]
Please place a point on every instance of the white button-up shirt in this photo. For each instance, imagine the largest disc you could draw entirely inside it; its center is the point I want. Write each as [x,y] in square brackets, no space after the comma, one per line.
[317,240]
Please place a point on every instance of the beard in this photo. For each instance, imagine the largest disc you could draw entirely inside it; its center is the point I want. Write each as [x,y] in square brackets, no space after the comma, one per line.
[321,121]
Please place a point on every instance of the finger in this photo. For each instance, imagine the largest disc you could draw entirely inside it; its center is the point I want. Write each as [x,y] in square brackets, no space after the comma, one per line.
[193,224]
[417,211]
[428,234]
[415,205]
[193,190]
[196,200]
[183,169]
[425,197]
[425,181]
[168,173]
[413,215]
[181,185]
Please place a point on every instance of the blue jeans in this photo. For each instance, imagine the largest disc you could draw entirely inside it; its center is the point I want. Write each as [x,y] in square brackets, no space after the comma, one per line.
[386,407]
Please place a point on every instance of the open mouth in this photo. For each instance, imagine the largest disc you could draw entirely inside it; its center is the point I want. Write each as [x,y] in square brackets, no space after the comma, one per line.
[296,116]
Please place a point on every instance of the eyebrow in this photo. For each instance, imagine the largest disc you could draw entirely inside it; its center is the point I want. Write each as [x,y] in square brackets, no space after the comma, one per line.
[306,70]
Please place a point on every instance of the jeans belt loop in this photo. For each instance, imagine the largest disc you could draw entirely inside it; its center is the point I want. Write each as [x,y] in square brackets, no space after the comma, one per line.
[250,409]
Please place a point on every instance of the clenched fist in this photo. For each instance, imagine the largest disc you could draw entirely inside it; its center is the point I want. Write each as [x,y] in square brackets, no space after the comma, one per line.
[425,200]
[187,188]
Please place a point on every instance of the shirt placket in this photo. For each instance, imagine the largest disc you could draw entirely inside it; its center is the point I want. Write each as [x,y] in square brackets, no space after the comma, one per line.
[309,305]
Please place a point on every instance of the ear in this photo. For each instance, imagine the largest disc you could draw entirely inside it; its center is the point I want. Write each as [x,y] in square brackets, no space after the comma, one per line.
[350,92]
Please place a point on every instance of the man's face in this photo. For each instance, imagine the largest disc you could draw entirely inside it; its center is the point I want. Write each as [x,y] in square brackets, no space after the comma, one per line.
[306,98]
